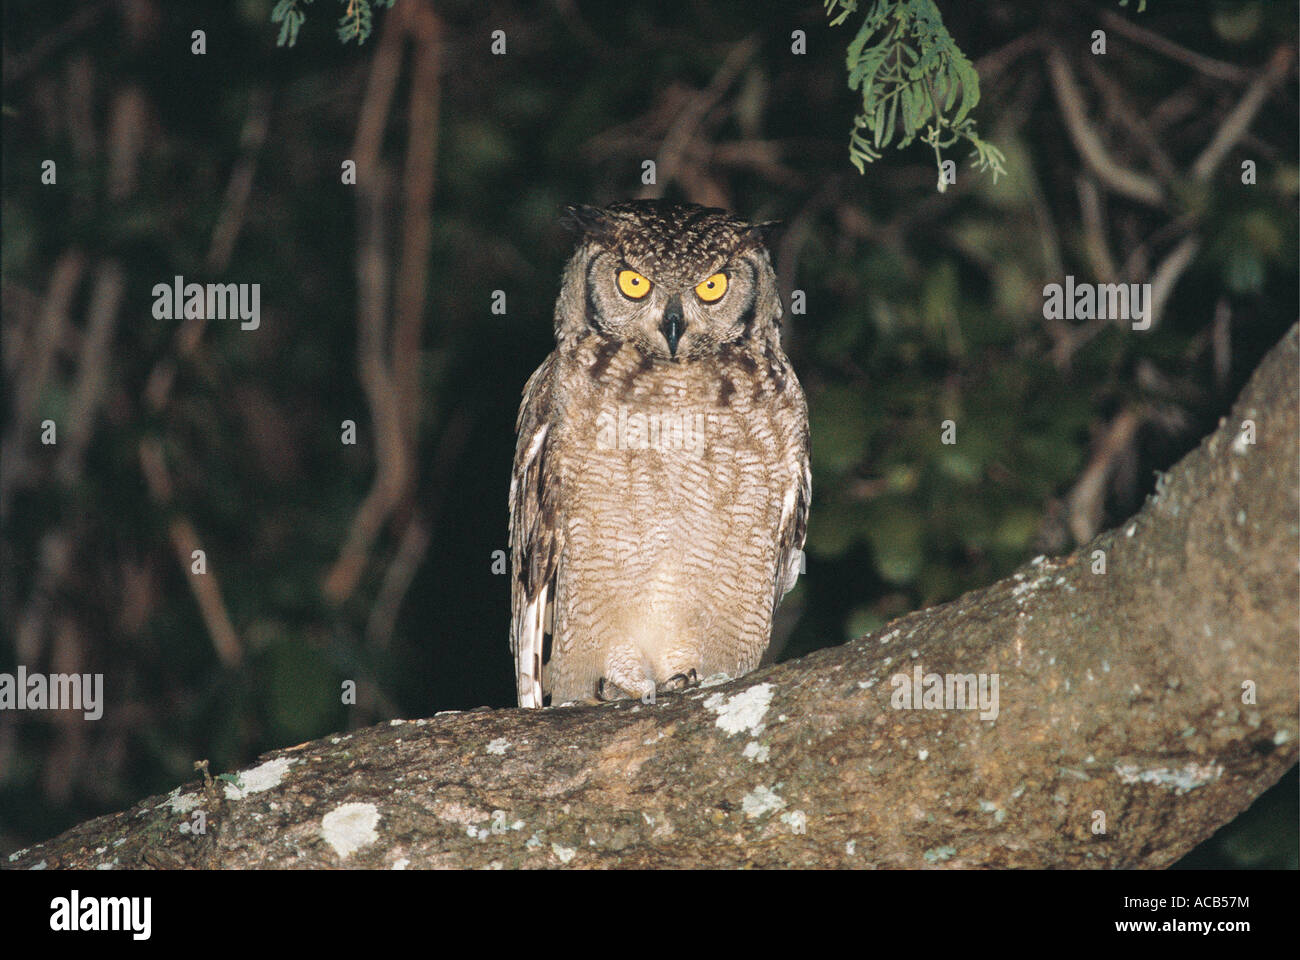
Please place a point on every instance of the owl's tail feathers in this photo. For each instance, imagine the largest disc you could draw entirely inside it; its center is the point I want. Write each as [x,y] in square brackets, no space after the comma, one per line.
[528,650]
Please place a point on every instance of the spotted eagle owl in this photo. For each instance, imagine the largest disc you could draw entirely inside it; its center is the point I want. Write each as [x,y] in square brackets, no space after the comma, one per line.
[660,490]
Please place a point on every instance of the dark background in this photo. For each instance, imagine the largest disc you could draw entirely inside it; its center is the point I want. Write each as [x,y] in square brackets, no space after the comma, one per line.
[921,306]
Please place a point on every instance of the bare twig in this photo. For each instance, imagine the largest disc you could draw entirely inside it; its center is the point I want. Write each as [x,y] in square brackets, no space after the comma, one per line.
[1134,185]
[38,356]
[1095,245]
[92,369]
[1087,498]
[1135,126]
[671,152]
[220,247]
[126,140]
[397,580]
[185,541]
[234,205]
[594,45]
[393,466]
[1238,121]
[392,469]
[55,552]
[1173,109]
[53,561]
[761,156]
[389,367]
[376,105]
[22,305]
[1137,263]
[1068,339]
[995,61]
[66,757]
[1215,69]
[1053,263]
[1167,273]
[418,532]
[79,106]
[410,286]
[157,396]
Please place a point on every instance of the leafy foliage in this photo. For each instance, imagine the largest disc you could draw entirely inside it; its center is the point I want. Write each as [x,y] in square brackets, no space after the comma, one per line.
[289,14]
[913,79]
[356,23]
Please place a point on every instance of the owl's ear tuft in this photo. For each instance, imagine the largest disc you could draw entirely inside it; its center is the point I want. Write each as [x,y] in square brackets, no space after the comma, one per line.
[762,234]
[584,220]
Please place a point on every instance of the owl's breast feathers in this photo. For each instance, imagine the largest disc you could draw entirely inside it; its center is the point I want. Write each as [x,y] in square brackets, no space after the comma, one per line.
[681,481]
[738,376]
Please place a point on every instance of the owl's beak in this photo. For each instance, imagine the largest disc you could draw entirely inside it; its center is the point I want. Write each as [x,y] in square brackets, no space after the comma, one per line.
[673,324]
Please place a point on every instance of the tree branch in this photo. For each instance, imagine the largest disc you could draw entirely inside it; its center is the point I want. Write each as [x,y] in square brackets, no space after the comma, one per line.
[1139,709]
[1216,69]
[668,163]
[1129,183]
[1237,122]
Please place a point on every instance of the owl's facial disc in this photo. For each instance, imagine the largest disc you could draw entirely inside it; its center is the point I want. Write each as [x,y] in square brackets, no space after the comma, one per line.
[679,282]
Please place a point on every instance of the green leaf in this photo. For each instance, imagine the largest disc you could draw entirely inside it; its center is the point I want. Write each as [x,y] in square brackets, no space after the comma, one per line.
[970,86]
[290,18]
[913,59]
[910,98]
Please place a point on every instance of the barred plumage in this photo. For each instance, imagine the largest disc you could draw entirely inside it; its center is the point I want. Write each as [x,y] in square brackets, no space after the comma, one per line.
[661,484]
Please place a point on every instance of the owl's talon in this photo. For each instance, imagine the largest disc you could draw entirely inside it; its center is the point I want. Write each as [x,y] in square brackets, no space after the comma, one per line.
[607,691]
[680,681]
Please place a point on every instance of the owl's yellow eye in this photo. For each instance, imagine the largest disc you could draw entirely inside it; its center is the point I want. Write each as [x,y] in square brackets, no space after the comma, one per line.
[713,288]
[632,284]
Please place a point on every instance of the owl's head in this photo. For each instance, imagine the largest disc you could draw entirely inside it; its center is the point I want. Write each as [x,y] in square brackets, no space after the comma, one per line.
[677,280]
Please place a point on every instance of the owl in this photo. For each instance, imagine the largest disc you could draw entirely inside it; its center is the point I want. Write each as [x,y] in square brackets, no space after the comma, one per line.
[660,490]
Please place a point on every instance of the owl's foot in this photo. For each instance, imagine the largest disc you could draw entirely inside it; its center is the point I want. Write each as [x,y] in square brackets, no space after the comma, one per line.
[641,686]
[620,686]
[680,681]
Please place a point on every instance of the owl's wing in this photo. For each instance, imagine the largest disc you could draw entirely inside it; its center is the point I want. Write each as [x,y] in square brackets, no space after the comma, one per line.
[534,537]
[794,524]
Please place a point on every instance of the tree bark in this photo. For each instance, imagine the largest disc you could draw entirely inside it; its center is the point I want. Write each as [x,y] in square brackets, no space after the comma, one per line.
[1139,709]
